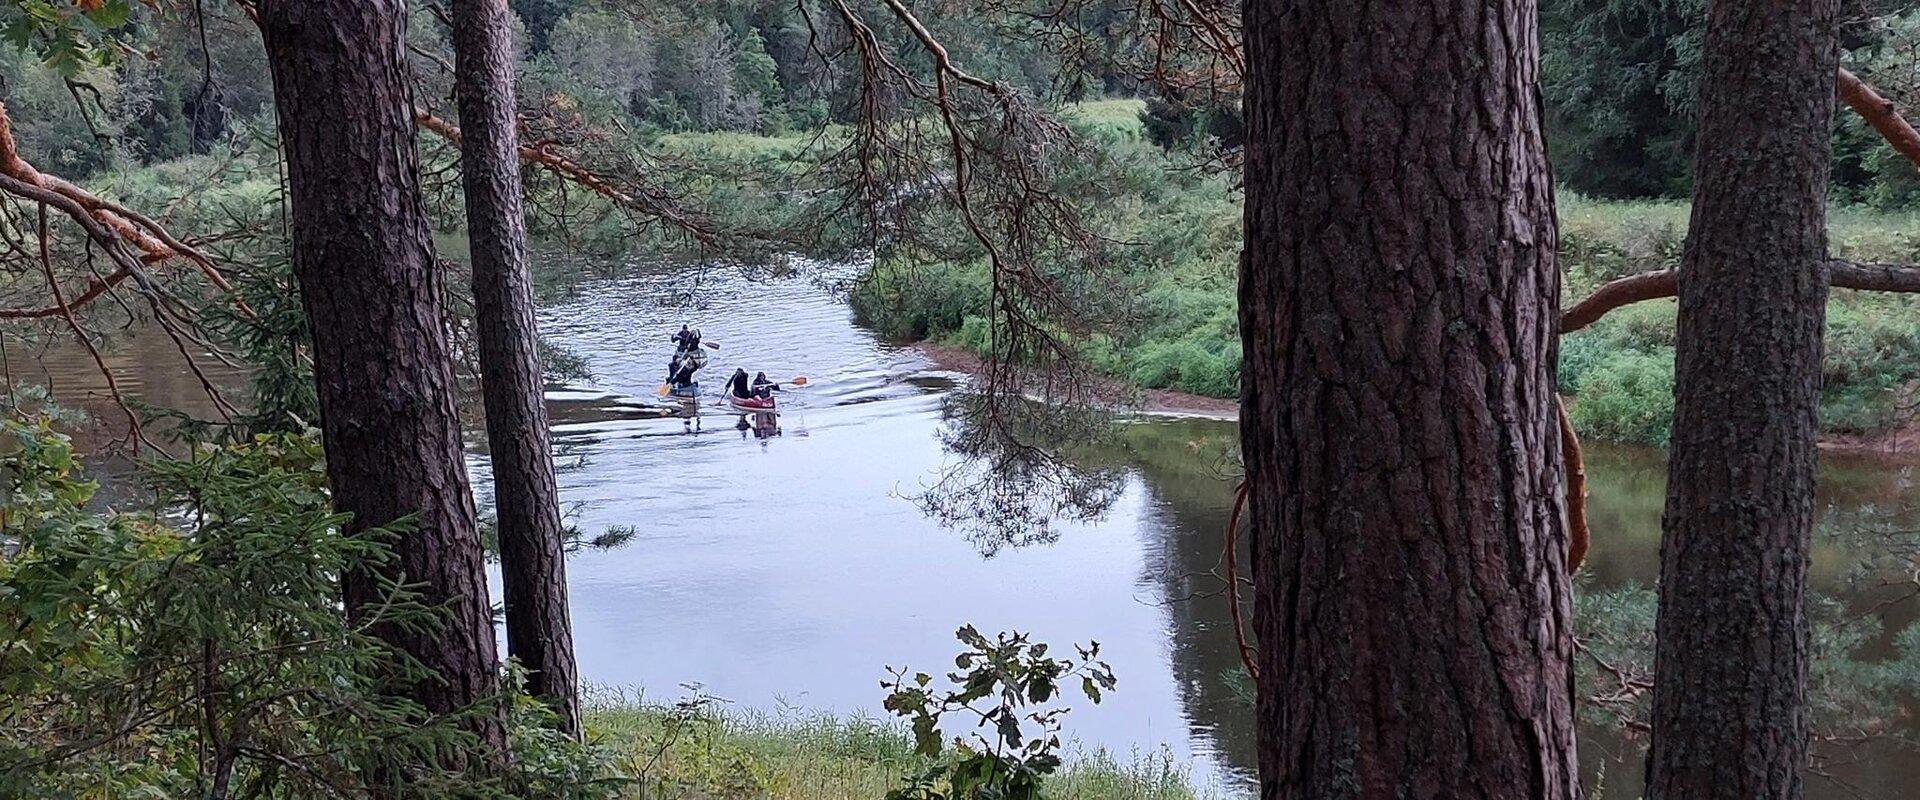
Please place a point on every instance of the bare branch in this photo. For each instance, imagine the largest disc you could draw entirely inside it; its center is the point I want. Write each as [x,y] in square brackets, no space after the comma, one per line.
[1879,112]
[1841,273]
[1578,535]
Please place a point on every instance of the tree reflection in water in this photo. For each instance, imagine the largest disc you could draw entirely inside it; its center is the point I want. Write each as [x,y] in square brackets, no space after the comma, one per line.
[1019,468]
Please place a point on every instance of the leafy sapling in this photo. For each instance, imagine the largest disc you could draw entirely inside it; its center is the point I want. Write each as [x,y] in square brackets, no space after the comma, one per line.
[1009,688]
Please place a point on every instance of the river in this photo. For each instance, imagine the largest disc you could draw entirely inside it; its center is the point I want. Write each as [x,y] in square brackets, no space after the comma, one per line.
[782,567]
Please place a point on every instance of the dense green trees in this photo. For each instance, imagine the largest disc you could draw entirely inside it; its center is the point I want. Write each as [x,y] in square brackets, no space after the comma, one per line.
[1618,80]
[1619,76]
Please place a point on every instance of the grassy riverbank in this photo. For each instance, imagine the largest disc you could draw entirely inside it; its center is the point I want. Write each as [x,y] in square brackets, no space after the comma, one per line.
[1182,230]
[794,756]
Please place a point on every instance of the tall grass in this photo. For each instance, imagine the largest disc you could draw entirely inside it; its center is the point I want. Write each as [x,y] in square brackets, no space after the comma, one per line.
[708,755]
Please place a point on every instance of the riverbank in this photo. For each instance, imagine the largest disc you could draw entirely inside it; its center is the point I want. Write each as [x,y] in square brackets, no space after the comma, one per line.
[1900,444]
[1164,318]
[675,752]
[1157,402]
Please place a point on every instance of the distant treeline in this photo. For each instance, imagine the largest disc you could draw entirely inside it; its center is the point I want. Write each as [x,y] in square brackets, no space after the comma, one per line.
[1619,79]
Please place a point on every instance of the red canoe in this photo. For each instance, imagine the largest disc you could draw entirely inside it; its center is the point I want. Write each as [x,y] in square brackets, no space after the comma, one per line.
[752,403]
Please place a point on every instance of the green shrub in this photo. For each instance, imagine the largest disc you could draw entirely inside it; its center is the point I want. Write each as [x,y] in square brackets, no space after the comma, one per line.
[138,638]
[1579,354]
[919,302]
[1188,366]
[1627,397]
[1011,682]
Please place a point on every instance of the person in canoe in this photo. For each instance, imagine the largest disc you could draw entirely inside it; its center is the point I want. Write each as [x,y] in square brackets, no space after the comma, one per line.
[688,358]
[680,378]
[745,396]
[762,387]
[686,341]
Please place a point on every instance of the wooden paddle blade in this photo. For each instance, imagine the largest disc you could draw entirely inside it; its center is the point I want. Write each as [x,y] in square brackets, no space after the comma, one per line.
[800,381]
[662,391]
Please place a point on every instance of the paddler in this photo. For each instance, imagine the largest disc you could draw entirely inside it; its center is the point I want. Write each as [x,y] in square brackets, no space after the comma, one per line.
[683,369]
[687,340]
[763,387]
[738,386]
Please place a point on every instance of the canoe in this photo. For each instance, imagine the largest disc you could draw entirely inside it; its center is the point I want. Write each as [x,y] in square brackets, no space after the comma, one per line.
[689,390]
[761,404]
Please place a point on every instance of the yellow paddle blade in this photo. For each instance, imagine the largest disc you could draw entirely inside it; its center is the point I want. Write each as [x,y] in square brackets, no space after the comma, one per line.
[662,391]
[800,381]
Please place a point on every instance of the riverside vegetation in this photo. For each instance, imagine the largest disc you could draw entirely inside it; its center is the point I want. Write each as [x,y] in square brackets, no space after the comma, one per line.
[1181,227]
[194,648]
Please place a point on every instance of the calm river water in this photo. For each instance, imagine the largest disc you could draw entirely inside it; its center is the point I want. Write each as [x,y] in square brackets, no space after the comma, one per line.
[787,566]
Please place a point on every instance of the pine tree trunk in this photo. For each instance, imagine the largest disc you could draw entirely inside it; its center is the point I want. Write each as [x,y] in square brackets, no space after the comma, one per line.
[1398,302]
[1729,711]
[532,554]
[384,370]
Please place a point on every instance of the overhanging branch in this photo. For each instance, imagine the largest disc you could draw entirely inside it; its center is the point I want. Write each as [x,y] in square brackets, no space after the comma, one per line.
[1864,275]
[635,200]
[1879,112]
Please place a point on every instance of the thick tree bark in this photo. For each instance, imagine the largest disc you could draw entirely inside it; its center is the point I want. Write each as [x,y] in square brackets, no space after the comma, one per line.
[1398,305]
[364,260]
[1729,711]
[533,567]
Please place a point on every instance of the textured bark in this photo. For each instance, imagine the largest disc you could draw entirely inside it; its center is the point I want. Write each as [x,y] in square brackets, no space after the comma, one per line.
[1398,306]
[382,363]
[533,567]
[1730,663]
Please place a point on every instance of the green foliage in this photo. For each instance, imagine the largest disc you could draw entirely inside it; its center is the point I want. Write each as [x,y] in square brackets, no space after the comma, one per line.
[69,37]
[1604,241]
[1006,683]
[1168,318]
[201,649]
[1619,78]
[1621,367]
[912,304]
[1188,364]
[1870,364]
[758,76]
[1627,397]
